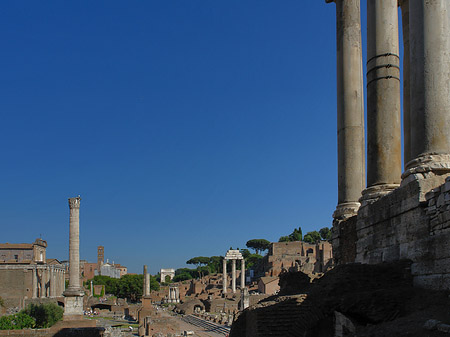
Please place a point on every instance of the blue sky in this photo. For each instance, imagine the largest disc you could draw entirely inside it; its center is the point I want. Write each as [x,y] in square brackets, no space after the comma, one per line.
[187,127]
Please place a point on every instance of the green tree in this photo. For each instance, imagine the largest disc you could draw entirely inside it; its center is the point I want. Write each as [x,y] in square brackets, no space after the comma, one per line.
[259,245]
[215,264]
[130,287]
[296,235]
[252,260]
[199,260]
[109,283]
[182,277]
[325,233]
[284,239]
[312,237]
[45,315]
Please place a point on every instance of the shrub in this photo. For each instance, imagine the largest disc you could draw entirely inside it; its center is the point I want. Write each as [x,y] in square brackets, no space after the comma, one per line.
[16,322]
[45,314]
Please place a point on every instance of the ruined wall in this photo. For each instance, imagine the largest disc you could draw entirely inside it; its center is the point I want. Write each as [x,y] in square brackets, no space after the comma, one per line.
[310,258]
[412,222]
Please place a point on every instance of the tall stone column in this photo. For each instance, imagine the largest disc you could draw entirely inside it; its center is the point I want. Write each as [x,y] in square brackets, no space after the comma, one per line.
[34,283]
[52,282]
[43,291]
[233,275]
[404,5]
[74,293]
[383,99]
[224,276]
[242,274]
[430,86]
[146,282]
[350,108]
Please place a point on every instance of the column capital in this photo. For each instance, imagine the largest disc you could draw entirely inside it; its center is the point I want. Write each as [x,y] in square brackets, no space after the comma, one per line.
[74,202]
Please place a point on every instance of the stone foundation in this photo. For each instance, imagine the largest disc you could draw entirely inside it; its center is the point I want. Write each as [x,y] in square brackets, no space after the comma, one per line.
[73,306]
[412,222]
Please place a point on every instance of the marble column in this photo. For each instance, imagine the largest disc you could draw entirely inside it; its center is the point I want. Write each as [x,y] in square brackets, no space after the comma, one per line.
[233,276]
[34,283]
[383,99]
[430,86]
[74,293]
[404,5]
[43,291]
[224,276]
[52,282]
[146,282]
[350,108]
[242,274]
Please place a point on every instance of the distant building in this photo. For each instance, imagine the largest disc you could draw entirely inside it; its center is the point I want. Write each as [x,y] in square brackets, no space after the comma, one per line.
[298,256]
[110,270]
[26,273]
[268,285]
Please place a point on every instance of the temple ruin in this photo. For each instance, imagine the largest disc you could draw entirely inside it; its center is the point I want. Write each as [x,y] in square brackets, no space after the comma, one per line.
[401,213]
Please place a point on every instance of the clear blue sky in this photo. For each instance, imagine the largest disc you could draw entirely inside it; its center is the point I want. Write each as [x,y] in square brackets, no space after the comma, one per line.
[187,127]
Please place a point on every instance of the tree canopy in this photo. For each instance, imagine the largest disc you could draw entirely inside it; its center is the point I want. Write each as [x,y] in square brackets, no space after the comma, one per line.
[325,233]
[259,245]
[312,237]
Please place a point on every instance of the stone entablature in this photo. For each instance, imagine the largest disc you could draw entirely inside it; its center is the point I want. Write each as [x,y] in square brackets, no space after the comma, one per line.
[233,254]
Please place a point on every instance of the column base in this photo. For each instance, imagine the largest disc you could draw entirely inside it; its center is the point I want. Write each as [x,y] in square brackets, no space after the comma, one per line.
[431,162]
[346,210]
[373,193]
[73,306]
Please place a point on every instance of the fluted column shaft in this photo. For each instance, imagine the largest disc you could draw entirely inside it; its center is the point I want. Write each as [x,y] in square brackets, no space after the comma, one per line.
[224,276]
[430,84]
[383,98]
[404,5]
[233,276]
[74,244]
[350,108]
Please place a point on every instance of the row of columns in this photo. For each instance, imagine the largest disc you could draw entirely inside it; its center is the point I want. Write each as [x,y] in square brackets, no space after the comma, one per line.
[174,295]
[426,26]
[233,275]
[47,281]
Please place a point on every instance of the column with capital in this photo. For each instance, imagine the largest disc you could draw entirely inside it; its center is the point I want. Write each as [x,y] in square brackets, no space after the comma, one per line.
[74,294]
[383,100]
[430,87]
[350,108]
[224,277]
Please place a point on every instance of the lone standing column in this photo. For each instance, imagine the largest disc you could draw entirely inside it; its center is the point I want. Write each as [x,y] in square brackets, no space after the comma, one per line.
[242,274]
[146,281]
[224,276]
[74,293]
[233,275]
[350,108]
[383,99]
[430,86]
[404,5]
